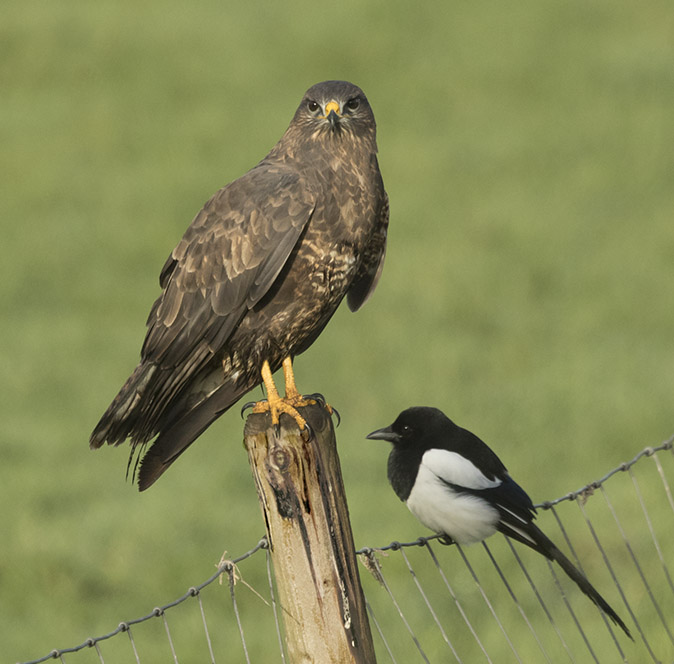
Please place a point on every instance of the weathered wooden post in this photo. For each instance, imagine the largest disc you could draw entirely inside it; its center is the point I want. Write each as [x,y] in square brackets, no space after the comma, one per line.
[299,483]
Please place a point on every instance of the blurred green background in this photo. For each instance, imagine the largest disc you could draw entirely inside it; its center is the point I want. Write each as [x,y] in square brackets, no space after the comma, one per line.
[527,151]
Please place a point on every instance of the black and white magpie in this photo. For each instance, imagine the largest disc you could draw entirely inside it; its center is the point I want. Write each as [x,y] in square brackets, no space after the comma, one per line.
[455,485]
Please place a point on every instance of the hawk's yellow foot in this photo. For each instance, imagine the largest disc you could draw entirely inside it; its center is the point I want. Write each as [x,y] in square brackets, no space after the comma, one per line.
[293,394]
[275,404]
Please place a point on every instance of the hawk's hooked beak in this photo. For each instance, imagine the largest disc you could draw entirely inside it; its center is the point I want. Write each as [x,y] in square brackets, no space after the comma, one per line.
[332,113]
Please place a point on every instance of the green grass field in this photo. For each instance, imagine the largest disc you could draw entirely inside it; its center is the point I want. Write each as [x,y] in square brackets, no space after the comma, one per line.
[528,290]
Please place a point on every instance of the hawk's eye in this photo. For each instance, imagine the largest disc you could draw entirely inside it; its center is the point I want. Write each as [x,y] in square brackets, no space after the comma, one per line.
[353,104]
[313,106]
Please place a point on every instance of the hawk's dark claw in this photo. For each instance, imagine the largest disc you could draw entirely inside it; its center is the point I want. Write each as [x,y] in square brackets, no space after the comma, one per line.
[317,397]
[246,406]
[308,430]
[320,400]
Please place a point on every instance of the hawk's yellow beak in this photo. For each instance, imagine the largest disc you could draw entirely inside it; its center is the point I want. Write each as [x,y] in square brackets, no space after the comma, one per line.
[332,113]
[330,107]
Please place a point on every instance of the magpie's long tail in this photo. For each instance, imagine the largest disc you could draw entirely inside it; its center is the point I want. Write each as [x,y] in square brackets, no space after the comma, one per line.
[544,545]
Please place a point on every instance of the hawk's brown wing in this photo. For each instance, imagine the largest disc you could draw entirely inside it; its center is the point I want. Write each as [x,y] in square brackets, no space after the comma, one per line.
[227,260]
[372,264]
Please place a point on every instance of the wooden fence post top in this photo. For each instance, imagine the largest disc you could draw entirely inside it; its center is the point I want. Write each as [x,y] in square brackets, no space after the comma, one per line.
[299,483]
[316,415]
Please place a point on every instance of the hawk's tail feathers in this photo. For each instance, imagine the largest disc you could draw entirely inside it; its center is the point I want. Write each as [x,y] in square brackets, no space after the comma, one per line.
[179,434]
[123,417]
[178,419]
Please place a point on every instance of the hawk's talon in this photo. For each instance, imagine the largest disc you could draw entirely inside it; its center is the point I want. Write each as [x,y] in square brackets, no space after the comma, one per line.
[246,406]
[307,432]
[317,397]
[278,406]
[334,411]
[320,400]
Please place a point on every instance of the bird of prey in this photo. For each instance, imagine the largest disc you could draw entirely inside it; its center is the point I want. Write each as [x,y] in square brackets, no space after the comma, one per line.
[455,485]
[255,278]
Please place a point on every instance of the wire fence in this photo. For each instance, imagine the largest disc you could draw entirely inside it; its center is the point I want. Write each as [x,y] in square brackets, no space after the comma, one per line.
[428,602]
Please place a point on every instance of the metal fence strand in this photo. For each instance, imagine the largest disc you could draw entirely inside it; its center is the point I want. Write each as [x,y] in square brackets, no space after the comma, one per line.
[456,601]
[487,602]
[565,599]
[160,612]
[377,566]
[651,530]
[429,607]
[576,560]
[630,549]
[539,598]
[98,652]
[578,564]
[615,581]
[514,598]
[580,499]
[572,495]
[127,629]
[665,483]
[396,546]
[370,611]
[274,605]
[125,626]
[230,569]
[197,594]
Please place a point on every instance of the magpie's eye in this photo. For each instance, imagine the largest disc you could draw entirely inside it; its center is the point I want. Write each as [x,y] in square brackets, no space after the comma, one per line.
[405,429]
[353,104]
[313,106]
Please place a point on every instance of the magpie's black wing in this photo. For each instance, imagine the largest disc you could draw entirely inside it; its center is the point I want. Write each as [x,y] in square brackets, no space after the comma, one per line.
[517,514]
[516,511]
[470,446]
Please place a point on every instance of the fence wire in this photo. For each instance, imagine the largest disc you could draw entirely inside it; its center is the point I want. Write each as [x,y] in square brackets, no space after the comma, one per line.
[428,602]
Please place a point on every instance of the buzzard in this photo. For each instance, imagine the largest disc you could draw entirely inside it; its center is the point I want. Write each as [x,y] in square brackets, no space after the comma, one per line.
[256,277]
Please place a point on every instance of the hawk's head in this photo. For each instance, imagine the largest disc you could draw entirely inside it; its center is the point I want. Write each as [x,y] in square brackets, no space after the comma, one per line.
[335,108]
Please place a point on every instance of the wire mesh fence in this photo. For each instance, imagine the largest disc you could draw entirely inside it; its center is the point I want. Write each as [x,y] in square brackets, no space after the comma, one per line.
[429,602]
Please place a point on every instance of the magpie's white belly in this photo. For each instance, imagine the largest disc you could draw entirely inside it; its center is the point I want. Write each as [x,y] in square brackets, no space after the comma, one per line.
[465,518]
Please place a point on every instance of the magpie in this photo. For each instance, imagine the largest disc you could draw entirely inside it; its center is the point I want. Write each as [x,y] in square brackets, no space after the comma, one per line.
[455,485]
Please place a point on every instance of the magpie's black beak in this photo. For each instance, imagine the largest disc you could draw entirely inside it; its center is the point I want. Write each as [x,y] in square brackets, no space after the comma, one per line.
[384,434]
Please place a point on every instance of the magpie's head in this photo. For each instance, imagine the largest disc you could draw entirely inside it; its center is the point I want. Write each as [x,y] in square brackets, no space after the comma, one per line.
[419,427]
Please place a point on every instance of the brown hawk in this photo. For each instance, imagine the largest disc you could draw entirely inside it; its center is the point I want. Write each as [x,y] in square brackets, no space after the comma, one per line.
[255,279]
